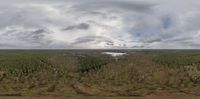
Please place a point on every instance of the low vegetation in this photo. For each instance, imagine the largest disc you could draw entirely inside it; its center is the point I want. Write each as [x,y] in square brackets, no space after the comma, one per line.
[71,73]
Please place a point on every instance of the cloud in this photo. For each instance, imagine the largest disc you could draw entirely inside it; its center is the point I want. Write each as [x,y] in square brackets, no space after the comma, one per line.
[151,40]
[98,41]
[111,4]
[81,26]
[99,24]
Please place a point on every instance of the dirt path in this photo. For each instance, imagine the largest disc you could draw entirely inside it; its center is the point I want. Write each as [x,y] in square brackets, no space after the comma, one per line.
[166,96]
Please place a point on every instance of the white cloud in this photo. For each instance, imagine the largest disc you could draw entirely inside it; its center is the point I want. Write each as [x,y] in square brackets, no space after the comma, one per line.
[99,24]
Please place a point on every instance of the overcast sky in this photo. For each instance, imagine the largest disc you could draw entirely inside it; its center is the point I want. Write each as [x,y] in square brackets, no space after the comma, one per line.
[71,24]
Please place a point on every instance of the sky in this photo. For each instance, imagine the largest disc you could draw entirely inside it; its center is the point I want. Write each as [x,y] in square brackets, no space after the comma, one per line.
[99,24]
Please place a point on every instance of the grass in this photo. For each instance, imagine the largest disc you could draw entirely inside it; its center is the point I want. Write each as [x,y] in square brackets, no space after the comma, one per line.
[70,73]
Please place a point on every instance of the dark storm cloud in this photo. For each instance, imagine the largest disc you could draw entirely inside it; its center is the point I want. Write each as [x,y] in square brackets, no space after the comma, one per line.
[81,26]
[87,39]
[121,5]
[180,39]
[151,40]
[138,47]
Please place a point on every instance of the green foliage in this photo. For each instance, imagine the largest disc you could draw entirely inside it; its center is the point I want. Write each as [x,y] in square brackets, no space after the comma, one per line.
[178,58]
[193,73]
[27,70]
[137,73]
[88,63]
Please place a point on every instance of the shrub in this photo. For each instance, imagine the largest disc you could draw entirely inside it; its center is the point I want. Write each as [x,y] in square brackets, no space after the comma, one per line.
[88,63]
[193,73]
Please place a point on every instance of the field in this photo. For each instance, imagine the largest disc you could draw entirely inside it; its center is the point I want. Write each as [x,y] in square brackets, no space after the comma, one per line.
[69,73]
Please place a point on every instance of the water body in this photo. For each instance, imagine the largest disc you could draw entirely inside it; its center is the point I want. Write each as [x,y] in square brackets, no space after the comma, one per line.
[114,54]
